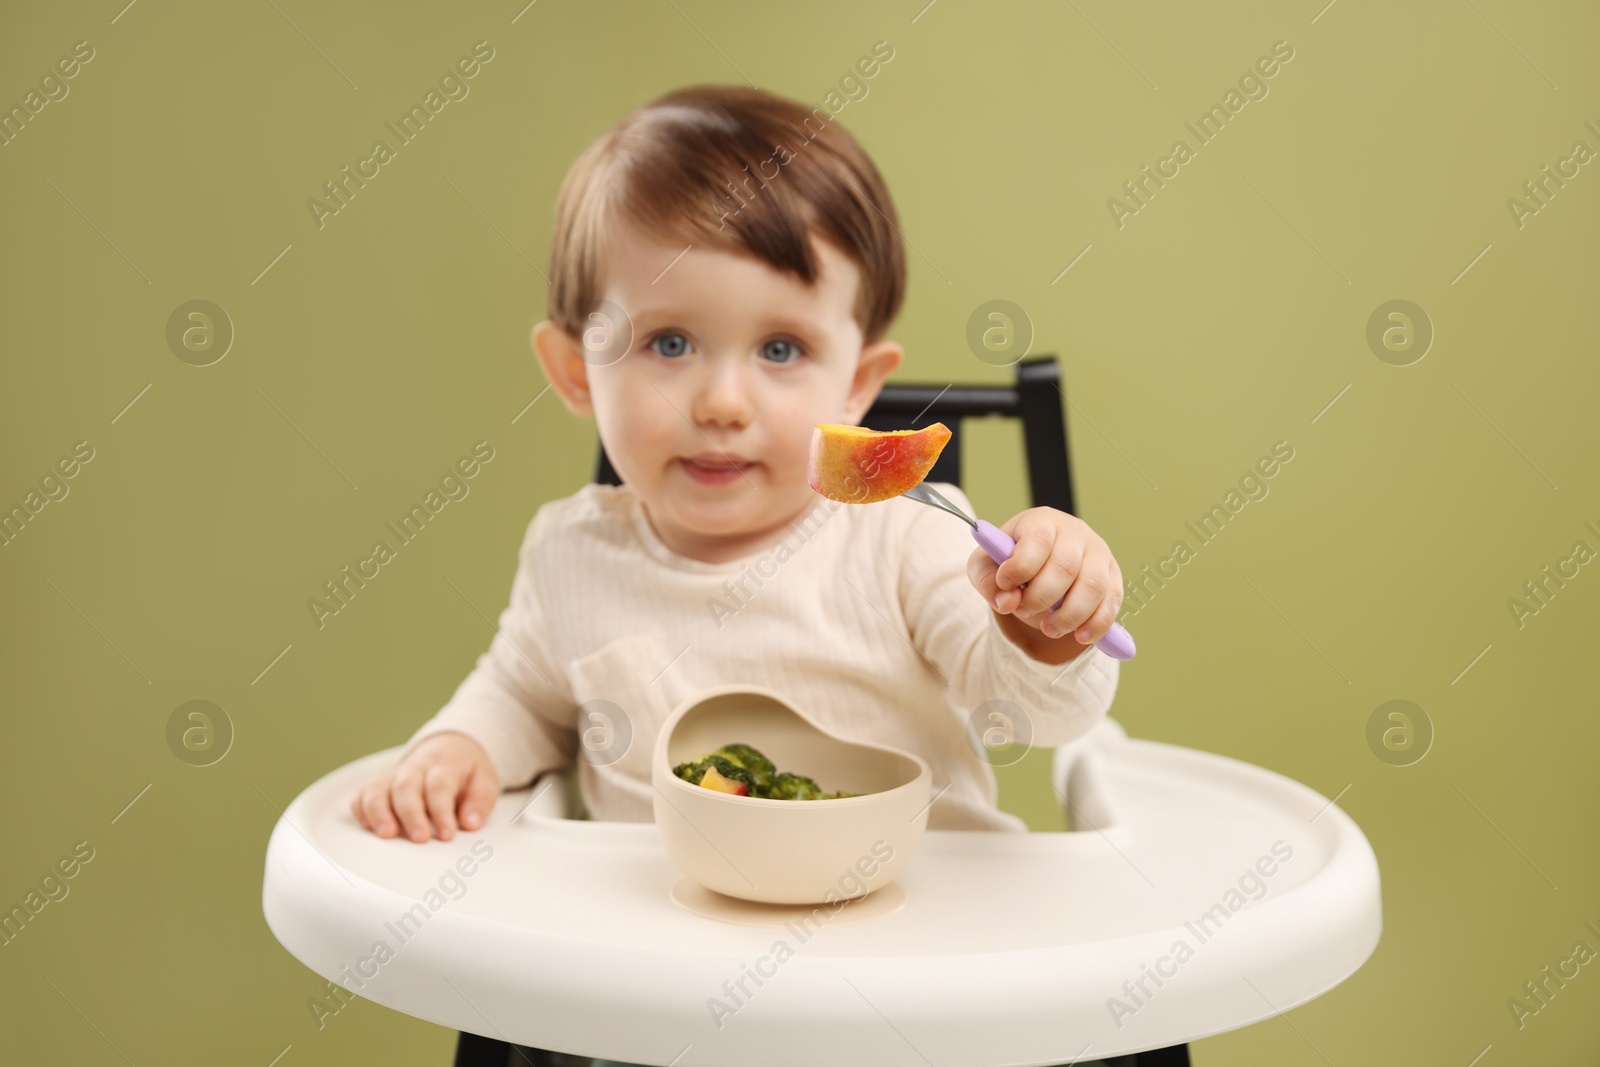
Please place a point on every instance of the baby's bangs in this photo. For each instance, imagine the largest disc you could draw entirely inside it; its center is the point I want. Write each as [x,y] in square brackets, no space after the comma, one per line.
[733,170]
[694,177]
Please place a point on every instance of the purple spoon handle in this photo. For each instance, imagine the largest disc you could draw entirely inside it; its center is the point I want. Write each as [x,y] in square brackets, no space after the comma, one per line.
[1117,643]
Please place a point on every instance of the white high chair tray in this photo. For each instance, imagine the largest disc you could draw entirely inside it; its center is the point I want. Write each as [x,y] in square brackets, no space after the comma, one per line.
[1009,949]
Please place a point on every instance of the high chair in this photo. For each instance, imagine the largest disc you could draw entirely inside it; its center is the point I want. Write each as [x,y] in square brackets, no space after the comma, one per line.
[1193,894]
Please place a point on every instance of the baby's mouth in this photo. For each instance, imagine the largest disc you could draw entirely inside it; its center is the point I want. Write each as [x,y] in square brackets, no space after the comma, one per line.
[715,470]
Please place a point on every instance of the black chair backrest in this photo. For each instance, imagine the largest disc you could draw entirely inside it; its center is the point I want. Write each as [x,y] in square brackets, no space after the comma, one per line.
[1035,399]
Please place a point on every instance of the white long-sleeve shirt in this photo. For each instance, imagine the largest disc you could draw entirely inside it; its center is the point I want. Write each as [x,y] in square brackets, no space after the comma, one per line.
[861,616]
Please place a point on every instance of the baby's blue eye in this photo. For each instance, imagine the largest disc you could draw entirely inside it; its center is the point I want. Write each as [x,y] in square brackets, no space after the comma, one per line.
[780,351]
[670,344]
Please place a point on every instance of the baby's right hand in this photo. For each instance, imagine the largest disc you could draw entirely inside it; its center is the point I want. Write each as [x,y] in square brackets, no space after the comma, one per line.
[442,772]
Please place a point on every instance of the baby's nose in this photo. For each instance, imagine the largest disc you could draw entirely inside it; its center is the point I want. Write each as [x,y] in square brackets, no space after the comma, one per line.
[723,396]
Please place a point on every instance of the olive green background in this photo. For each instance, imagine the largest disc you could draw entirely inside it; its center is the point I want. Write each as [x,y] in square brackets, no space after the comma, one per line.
[1230,313]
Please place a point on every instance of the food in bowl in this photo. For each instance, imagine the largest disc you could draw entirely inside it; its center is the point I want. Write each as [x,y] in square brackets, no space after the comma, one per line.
[743,771]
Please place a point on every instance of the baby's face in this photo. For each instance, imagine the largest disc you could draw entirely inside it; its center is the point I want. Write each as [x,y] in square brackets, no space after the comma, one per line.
[709,415]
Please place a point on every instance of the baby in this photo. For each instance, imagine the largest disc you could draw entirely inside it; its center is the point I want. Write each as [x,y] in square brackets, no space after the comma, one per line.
[724,267]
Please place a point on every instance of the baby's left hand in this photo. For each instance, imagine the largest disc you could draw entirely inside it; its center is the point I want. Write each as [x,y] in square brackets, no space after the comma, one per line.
[1056,553]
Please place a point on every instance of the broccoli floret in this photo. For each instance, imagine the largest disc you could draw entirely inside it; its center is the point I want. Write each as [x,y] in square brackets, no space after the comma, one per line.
[760,767]
[788,786]
[695,770]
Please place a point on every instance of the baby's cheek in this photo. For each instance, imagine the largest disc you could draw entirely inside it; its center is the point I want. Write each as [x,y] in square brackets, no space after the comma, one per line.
[788,447]
[635,435]
[789,467]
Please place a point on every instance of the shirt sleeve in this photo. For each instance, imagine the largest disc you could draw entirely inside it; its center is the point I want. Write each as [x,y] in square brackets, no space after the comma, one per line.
[515,702]
[959,634]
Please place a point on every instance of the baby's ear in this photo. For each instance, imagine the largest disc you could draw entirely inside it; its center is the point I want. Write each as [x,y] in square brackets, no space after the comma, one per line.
[562,360]
[878,360]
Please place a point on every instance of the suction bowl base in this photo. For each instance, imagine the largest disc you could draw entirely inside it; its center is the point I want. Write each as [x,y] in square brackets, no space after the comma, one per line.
[692,896]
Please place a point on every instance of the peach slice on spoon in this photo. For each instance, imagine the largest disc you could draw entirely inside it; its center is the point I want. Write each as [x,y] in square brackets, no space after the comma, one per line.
[856,465]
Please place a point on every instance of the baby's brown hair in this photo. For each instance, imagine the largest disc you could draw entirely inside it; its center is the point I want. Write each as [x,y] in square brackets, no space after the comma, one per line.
[739,170]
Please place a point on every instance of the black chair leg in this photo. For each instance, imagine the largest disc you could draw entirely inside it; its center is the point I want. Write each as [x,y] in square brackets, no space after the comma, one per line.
[1176,1056]
[475,1050]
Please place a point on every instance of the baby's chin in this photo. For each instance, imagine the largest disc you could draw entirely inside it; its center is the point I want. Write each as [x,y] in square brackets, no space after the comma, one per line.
[736,511]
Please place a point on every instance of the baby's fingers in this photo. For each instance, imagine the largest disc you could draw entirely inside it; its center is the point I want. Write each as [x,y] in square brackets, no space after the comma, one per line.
[1098,624]
[482,789]
[981,572]
[442,785]
[1085,607]
[406,796]
[1035,541]
[373,808]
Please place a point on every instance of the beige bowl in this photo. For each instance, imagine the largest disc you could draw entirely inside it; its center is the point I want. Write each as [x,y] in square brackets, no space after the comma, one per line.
[786,851]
